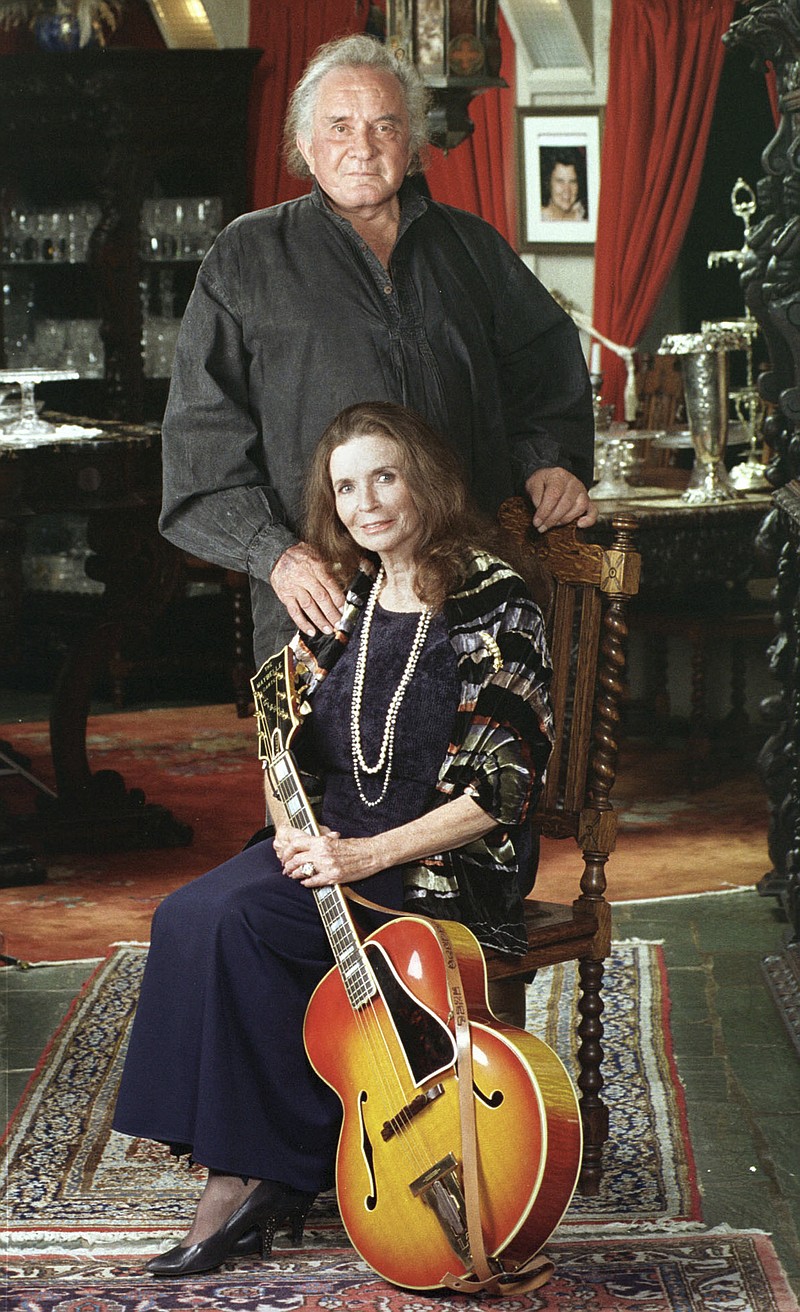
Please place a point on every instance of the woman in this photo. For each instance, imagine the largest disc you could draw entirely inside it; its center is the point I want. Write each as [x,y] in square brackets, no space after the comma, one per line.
[562,202]
[429,736]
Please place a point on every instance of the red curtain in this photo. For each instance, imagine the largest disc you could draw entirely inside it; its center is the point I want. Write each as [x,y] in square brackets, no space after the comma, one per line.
[288,33]
[479,174]
[664,68]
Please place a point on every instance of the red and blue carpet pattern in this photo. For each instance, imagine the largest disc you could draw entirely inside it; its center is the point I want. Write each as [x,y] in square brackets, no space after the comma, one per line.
[69,1178]
[84,1206]
[689,1273]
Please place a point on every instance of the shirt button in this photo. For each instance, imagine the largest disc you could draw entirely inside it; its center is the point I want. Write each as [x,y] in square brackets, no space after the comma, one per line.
[388,289]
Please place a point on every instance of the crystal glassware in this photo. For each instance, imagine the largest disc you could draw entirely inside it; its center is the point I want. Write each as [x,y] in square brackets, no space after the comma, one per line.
[749,476]
[617,457]
[30,424]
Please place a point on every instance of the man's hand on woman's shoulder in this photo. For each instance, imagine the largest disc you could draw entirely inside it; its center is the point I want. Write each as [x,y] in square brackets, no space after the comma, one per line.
[307,589]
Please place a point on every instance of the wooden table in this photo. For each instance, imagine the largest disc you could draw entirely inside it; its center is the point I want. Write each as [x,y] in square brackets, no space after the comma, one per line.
[708,548]
[696,564]
[112,473]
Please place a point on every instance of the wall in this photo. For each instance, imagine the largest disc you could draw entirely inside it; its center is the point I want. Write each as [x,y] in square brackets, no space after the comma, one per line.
[230,20]
[579,33]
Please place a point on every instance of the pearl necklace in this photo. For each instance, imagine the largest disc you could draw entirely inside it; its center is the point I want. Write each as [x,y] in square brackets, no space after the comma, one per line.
[386,756]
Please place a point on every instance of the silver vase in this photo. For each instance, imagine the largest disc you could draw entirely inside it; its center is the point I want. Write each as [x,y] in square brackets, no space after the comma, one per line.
[705,387]
[704,367]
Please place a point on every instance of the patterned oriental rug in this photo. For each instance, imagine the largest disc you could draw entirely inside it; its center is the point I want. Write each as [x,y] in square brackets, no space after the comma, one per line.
[200,763]
[83,1205]
[708,1273]
[71,1185]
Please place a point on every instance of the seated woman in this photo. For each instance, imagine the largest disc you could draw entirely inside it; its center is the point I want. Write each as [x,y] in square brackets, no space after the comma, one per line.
[430,733]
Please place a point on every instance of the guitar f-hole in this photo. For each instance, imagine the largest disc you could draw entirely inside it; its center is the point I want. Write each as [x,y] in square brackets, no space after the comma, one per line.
[493,1100]
[371,1199]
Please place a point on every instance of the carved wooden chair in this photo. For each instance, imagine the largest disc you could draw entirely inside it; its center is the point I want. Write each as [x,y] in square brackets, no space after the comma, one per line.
[659,385]
[588,632]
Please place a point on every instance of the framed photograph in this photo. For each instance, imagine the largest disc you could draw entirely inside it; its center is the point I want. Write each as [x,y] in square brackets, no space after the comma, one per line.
[559,176]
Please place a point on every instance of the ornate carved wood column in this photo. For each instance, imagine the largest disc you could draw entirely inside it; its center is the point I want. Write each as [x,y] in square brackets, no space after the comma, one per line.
[771,282]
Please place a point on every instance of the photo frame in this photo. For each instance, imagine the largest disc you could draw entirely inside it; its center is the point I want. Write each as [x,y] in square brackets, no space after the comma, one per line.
[558,153]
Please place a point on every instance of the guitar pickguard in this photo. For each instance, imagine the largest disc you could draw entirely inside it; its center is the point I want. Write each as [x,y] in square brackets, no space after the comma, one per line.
[428,1045]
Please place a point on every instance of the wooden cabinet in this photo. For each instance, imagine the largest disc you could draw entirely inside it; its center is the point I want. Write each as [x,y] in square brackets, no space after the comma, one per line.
[117,167]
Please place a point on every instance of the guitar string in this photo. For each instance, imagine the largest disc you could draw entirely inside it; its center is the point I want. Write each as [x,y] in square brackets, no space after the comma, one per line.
[415,1144]
[408,1130]
[396,1083]
[374,1039]
[407,1127]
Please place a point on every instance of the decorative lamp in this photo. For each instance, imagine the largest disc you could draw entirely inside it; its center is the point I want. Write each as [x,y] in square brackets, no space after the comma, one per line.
[455,47]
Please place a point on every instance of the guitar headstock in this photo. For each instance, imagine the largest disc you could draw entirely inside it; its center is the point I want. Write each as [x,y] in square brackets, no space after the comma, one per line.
[278,709]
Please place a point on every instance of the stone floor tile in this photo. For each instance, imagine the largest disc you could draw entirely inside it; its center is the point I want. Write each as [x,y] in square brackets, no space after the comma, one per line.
[32,1020]
[41,979]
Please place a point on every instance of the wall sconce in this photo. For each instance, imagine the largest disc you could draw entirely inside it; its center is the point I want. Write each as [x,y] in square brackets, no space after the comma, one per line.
[455,47]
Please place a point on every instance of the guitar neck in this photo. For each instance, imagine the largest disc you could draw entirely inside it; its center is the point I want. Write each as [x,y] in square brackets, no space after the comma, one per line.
[290,793]
[354,968]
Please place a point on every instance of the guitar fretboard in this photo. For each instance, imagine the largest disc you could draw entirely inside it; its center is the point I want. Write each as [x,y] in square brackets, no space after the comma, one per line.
[353,966]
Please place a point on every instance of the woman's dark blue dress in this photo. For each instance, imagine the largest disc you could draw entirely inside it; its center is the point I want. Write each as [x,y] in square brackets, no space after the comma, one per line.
[216,1064]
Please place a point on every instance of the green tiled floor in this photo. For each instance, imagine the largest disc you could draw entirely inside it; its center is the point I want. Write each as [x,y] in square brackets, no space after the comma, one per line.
[740,1068]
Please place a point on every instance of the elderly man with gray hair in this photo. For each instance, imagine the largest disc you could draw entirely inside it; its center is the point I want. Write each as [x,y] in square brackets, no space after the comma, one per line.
[363,290]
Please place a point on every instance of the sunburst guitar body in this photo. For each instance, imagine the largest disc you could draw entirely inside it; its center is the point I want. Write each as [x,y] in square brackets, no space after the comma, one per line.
[392,1062]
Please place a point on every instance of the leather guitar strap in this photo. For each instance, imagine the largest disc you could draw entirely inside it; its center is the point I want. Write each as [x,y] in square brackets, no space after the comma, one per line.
[535,1272]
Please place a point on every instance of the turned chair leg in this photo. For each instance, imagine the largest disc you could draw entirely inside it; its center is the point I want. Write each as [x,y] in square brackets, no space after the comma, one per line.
[737,720]
[594,1112]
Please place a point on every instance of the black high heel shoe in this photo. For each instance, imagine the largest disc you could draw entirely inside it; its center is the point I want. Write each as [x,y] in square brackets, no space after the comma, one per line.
[262,1212]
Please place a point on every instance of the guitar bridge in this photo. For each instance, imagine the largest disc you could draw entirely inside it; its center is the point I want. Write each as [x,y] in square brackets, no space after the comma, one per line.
[440,1188]
[407,1113]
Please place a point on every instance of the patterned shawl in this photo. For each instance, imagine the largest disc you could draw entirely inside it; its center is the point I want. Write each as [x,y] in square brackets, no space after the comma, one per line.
[501,742]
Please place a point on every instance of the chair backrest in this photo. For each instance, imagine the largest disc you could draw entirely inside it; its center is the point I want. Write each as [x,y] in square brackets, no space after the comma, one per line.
[587,630]
[659,384]
[588,638]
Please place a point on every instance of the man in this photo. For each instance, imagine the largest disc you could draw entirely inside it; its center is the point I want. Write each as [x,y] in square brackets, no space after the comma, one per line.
[361,291]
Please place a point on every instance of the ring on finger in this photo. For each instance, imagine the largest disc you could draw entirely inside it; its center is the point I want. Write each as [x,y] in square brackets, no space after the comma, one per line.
[307,869]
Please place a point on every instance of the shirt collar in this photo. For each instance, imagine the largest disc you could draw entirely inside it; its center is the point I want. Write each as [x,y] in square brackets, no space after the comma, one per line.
[412,205]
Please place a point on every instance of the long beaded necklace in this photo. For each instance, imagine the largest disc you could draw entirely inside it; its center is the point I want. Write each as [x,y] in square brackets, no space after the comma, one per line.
[386,756]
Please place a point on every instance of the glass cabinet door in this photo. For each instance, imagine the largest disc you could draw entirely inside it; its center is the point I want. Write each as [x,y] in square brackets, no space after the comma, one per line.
[175,233]
[49,303]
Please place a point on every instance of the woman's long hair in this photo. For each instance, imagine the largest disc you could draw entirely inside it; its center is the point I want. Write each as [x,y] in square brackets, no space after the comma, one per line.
[452,527]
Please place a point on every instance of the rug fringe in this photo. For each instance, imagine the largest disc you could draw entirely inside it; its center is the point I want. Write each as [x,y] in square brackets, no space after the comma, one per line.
[640,942]
[724,1229]
[17,964]
[683,897]
[664,1226]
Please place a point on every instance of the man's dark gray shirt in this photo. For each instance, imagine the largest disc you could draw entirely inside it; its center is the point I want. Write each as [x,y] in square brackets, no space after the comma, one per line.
[293,317]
